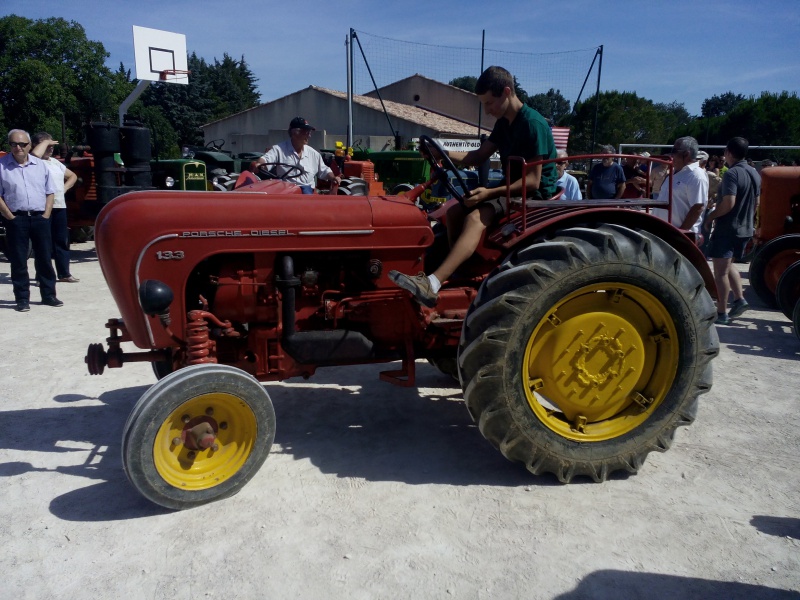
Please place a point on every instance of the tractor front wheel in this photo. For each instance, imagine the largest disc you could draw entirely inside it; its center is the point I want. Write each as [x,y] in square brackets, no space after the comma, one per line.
[198,435]
[787,292]
[582,354]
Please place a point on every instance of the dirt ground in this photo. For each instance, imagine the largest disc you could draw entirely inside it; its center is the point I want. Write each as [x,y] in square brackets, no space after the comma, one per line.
[375,491]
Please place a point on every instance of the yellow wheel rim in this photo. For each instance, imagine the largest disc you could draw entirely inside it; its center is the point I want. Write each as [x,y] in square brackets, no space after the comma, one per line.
[600,362]
[189,469]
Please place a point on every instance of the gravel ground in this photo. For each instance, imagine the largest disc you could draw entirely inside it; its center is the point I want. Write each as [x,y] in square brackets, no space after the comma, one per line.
[375,491]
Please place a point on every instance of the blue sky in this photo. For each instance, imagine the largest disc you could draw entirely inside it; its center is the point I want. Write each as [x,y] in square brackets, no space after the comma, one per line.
[680,50]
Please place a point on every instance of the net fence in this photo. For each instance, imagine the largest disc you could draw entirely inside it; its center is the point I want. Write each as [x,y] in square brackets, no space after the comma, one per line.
[391,60]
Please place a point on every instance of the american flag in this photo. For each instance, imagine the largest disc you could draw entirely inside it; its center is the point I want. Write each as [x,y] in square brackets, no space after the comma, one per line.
[561,137]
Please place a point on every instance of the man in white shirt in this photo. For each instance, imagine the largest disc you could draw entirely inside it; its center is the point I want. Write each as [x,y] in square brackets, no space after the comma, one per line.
[572,190]
[689,187]
[63,180]
[295,154]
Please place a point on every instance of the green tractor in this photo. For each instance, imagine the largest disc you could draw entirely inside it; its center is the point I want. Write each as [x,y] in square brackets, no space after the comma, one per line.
[179,174]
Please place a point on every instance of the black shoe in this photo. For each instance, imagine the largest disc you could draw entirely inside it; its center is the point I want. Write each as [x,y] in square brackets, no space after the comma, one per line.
[52,302]
[22,306]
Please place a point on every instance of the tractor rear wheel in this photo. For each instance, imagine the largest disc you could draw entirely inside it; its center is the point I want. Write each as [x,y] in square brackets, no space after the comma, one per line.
[582,354]
[79,235]
[796,320]
[787,292]
[769,263]
[198,435]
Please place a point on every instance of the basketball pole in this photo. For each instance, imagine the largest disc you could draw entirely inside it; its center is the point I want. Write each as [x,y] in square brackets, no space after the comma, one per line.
[137,91]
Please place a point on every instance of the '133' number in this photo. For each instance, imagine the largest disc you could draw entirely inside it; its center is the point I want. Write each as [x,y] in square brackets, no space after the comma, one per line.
[169,255]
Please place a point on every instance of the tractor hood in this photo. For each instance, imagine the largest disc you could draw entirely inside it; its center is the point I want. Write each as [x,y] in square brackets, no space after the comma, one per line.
[163,235]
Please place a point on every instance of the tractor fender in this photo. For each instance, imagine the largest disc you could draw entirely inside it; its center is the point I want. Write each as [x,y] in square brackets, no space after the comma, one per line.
[549,225]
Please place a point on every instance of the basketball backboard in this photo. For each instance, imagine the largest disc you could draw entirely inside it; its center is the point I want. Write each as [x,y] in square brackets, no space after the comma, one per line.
[160,55]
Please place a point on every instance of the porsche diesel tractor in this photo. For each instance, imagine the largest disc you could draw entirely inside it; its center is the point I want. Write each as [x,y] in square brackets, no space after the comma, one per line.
[581,333]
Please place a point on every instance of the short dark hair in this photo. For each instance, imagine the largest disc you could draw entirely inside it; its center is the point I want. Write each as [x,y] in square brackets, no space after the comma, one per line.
[494,80]
[39,137]
[737,147]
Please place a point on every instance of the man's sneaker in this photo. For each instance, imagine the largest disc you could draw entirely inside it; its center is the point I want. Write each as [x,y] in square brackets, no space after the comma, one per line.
[22,306]
[419,285]
[52,302]
[723,319]
[68,279]
[738,307]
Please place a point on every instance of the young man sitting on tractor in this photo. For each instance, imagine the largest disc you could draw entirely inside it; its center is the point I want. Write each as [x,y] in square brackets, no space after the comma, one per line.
[519,131]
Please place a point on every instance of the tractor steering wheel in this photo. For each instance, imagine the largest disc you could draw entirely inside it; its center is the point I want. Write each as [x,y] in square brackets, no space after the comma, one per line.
[264,172]
[441,171]
[215,145]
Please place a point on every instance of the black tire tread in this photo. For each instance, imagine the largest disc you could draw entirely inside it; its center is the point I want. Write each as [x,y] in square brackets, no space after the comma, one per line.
[511,290]
[787,293]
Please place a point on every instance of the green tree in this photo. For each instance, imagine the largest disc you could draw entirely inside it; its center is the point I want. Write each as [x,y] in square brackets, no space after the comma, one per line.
[213,92]
[551,105]
[721,104]
[624,118]
[675,119]
[48,68]
[233,85]
[466,82]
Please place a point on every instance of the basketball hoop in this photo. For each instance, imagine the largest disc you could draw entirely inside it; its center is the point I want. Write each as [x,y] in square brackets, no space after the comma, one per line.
[173,75]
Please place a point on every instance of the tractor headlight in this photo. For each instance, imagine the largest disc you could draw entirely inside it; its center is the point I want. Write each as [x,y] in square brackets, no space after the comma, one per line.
[169,182]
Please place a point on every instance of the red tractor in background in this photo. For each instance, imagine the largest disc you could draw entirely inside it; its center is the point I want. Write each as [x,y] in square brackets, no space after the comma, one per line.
[775,263]
[582,333]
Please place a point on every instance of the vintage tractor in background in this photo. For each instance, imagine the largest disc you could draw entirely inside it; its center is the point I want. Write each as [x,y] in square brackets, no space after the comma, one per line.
[582,333]
[402,170]
[222,166]
[775,263]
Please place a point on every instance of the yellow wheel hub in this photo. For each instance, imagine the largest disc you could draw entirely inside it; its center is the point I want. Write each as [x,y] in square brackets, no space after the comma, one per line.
[600,362]
[185,465]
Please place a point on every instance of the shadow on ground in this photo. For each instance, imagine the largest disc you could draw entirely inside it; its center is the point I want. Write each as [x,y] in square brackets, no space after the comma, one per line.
[777,526]
[365,429]
[621,585]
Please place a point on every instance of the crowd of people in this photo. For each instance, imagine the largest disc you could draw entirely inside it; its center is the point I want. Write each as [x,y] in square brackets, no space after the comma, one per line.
[713,198]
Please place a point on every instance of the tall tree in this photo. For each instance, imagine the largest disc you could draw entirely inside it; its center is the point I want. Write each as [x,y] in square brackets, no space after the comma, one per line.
[623,118]
[551,105]
[465,82]
[234,86]
[48,68]
[721,104]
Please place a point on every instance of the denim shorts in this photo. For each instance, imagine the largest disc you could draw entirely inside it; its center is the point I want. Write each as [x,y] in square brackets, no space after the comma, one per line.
[727,246]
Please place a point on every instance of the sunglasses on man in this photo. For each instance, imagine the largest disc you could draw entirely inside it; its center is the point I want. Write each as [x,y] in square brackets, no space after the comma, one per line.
[18,144]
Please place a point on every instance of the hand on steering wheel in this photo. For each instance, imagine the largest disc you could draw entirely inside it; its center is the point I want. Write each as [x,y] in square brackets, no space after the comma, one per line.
[440,171]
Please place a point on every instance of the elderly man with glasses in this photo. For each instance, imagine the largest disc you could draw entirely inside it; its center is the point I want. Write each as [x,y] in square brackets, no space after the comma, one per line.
[689,187]
[294,154]
[26,201]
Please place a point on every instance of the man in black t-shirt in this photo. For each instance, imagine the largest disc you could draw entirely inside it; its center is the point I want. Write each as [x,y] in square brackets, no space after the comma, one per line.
[733,227]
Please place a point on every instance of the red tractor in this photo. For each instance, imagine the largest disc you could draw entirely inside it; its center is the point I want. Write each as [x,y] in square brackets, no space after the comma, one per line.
[775,264]
[582,334]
